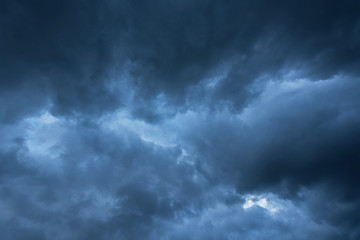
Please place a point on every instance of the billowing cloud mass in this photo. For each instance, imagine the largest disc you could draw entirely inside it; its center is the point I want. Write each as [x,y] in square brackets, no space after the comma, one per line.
[177,120]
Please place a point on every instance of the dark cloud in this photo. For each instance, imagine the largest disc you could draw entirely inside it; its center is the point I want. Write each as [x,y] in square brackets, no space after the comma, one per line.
[73,48]
[179,119]
[297,135]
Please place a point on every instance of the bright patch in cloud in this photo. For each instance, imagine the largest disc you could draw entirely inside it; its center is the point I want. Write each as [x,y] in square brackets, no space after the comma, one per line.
[43,139]
[264,202]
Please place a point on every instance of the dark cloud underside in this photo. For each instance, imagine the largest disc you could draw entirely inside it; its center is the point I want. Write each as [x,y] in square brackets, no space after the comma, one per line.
[179,119]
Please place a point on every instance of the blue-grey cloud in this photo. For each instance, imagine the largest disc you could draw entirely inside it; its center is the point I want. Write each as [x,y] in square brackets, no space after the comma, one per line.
[179,120]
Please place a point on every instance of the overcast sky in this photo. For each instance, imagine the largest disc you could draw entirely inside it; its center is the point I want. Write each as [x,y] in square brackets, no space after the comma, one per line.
[180,120]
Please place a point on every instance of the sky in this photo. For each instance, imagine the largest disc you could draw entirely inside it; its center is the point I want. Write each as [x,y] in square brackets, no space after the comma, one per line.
[180,120]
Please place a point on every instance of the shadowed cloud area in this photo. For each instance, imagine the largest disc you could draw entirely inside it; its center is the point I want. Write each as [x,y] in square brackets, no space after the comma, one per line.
[179,120]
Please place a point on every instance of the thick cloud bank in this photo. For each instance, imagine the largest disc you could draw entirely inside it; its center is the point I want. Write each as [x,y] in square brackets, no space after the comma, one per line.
[180,120]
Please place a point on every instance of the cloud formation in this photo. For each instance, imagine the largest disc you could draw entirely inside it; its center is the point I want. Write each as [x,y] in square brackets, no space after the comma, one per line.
[179,120]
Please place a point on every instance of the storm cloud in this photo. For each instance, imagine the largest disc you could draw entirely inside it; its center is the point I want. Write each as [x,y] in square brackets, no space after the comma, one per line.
[179,119]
